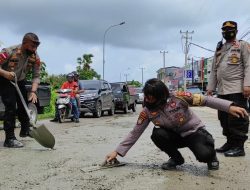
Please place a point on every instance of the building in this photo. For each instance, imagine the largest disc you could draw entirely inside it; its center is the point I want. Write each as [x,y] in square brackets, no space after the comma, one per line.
[171,76]
[197,74]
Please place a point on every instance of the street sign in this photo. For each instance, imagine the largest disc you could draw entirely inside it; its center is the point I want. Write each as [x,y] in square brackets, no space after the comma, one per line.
[189,74]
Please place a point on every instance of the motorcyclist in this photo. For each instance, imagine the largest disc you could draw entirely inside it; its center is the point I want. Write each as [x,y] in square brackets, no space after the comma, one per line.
[70,84]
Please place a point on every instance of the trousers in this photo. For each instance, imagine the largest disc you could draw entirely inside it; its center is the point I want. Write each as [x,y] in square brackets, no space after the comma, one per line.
[201,143]
[235,129]
[13,106]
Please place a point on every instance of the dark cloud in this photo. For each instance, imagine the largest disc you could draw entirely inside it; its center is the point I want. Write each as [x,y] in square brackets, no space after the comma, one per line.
[150,25]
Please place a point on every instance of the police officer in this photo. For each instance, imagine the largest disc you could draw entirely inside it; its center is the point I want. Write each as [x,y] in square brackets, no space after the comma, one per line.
[231,75]
[176,125]
[17,61]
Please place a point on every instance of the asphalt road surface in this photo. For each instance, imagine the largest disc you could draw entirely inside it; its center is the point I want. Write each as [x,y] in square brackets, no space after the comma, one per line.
[81,147]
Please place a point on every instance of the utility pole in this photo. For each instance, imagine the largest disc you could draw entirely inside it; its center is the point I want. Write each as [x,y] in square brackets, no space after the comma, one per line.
[186,49]
[164,74]
[126,76]
[142,68]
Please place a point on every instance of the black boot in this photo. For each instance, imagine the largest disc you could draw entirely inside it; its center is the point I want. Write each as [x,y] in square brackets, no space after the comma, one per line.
[24,133]
[54,120]
[235,152]
[172,163]
[12,143]
[213,164]
[224,148]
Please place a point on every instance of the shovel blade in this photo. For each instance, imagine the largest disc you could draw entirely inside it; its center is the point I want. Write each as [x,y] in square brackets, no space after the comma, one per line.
[43,136]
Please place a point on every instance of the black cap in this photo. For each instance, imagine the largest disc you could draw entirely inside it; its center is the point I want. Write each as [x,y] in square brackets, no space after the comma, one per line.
[229,24]
[31,36]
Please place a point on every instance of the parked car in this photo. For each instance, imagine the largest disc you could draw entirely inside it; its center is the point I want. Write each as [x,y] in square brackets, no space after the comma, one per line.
[43,100]
[125,96]
[96,98]
[140,95]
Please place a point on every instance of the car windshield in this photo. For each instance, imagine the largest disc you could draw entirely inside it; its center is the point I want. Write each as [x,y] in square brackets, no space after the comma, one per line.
[116,87]
[90,84]
[194,90]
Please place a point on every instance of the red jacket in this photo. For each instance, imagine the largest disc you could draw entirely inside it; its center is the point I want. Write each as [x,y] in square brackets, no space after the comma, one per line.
[73,86]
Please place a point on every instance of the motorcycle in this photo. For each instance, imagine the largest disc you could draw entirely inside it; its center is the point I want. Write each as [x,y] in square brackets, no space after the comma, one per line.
[63,105]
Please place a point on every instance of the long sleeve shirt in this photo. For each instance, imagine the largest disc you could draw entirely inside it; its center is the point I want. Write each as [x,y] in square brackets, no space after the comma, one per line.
[175,115]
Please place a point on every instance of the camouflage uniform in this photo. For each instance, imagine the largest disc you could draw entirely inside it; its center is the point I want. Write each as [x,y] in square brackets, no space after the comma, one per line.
[13,59]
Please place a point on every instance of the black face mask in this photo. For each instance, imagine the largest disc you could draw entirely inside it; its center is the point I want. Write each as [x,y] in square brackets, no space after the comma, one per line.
[229,35]
[28,52]
[154,106]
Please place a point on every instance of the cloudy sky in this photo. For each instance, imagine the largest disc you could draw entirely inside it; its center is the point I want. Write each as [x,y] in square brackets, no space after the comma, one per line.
[69,29]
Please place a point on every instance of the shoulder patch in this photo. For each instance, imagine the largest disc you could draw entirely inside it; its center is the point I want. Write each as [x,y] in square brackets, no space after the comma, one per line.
[3,56]
[182,93]
[143,116]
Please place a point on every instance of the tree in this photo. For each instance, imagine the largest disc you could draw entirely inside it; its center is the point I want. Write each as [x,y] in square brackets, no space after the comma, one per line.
[43,73]
[84,69]
[134,83]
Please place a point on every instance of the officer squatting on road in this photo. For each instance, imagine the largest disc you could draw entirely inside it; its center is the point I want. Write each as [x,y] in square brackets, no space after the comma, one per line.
[17,61]
[230,73]
[176,125]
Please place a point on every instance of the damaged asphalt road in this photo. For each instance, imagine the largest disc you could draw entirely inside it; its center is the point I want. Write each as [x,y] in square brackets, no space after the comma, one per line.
[81,148]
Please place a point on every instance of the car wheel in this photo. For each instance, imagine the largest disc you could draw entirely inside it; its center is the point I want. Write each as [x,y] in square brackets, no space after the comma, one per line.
[112,109]
[33,112]
[98,111]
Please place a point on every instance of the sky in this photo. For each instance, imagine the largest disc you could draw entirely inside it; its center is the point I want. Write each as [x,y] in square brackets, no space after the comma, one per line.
[69,29]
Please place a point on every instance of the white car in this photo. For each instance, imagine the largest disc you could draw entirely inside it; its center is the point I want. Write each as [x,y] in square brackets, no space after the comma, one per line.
[140,95]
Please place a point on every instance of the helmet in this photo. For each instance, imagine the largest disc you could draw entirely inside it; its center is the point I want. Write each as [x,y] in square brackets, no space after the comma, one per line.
[75,73]
[156,88]
[70,76]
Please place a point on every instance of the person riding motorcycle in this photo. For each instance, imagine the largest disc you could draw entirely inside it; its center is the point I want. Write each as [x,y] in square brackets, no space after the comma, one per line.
[70,84]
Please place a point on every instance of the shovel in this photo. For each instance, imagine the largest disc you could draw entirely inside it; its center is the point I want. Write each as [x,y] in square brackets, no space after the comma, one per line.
[41,134]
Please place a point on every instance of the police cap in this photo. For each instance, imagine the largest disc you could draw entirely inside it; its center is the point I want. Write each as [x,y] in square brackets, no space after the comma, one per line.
[229,24]
[32,37]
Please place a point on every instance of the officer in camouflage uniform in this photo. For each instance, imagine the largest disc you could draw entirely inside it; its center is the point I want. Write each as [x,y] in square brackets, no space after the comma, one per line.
[231,75]
[17,61]
[176,125]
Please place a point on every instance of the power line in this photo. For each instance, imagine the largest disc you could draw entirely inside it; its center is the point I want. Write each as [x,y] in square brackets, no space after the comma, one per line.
[201,47]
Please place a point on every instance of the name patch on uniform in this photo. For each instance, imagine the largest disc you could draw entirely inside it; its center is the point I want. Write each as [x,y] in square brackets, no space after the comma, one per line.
[143,116]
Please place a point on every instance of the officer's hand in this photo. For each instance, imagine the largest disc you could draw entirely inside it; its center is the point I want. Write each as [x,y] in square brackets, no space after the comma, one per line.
[246,91]
[111,156]
[238,111]
[33,97]
[9,75]
[209,92]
